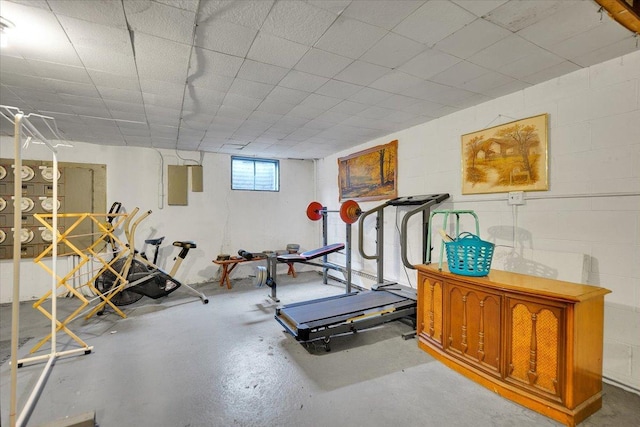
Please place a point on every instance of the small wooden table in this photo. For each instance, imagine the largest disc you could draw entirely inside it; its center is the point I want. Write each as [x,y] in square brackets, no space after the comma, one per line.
[229,265]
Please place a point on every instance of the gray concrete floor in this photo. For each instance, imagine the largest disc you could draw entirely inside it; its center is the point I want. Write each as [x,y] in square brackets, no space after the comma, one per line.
[176,362]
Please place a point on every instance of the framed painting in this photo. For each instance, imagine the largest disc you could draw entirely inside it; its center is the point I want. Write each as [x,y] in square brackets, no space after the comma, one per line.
[509,157]
[370,174]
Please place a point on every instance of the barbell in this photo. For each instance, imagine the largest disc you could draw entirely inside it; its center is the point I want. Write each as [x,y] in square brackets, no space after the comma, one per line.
[349,211]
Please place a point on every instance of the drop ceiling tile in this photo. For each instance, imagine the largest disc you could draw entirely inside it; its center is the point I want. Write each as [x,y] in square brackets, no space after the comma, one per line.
[395,82]
[503,52]
[92,35]
[375,113]
[486,82]
[369,96]
[160,20]
[156,87]
[286,95]
[298,21]
[18,66]
[250,14]
[276,51]
[120,95]
[250,88]
[156,67]
[531,64]
[28,82]
[350,38]
[479,8]
[459,74]
[162,101]
[392,51]
[209,81]
[472,38]
[203,101]
[320,124]
[190,5]
[166,143]
[305,112]
[382,13]
[421,107]
[566,22]
[321,102]
[222,124]
[507,89]
[196,120]
[262,73]
[434,21]
[601,36]
[516,15]
[207,64]
[399,102]
[265,117]
[81,101]
[429,63]
[361,73]
[105,13]
[302,81]
[275,107]
[425,90]
[115,81]
[336,116]
[322,63]
[241,102]
[233,112]
[338,89]
[606,53]
[225,37]
[348,108]
[76,89]
[302,134]
[114,63]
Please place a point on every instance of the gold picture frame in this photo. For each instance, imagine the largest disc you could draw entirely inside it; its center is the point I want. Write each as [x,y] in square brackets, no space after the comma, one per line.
[509,157]
[370,174]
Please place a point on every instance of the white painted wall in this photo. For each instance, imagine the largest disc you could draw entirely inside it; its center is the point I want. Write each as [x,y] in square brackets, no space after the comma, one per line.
[594,149]
[218,220]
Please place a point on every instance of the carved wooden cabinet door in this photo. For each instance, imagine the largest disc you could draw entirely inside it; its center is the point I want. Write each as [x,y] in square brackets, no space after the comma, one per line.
[472,325]
[535,349]
[430,309]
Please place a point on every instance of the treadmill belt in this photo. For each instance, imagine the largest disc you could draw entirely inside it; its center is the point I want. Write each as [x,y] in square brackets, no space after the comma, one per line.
[328,308]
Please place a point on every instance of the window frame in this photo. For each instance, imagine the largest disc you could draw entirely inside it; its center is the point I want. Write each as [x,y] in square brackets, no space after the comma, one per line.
[257,160]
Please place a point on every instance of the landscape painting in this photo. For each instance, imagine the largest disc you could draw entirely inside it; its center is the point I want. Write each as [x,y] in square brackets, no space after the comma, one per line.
[369,174]
[508,157]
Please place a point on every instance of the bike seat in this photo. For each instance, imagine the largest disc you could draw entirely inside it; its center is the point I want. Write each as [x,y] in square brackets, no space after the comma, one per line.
[187,245]
[155,242]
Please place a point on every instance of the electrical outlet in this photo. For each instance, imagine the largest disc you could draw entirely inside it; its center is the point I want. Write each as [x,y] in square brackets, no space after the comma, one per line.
[516,198]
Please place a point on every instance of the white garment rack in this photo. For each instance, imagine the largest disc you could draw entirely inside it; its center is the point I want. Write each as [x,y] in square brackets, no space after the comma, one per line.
[24,128]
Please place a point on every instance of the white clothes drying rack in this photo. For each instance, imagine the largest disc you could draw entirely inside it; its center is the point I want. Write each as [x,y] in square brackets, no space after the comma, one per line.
[24,128]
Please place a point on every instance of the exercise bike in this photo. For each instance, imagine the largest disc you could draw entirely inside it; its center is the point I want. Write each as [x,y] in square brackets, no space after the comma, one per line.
[133,276]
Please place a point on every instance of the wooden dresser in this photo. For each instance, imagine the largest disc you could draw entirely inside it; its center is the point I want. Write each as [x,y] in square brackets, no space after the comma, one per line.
[535,341]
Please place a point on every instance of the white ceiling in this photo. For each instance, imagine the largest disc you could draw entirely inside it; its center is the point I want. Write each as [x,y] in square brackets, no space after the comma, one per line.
[284,78]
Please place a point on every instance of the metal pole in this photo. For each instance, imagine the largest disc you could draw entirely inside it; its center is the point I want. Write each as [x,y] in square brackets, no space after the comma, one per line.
[15,304]
[348,254]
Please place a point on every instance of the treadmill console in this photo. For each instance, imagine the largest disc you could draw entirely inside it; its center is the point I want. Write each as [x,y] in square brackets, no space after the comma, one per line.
[418,200]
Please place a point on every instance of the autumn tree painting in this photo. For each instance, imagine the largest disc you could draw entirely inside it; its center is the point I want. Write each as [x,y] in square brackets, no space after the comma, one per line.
[509,157]
[369,174]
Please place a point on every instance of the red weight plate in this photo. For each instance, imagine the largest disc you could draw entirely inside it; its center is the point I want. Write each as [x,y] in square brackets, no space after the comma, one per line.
[350,211]
[313,211]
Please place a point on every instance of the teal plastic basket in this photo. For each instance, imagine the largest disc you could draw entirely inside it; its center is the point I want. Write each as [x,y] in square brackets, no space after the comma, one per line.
[469,255]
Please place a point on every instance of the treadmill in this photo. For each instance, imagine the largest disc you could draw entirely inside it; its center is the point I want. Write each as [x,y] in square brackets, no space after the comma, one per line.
[320,319]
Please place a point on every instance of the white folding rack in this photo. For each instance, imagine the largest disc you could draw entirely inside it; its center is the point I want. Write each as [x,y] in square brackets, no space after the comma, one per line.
[25,129]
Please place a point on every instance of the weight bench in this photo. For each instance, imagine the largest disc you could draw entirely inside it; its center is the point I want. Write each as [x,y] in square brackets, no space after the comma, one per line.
[267,275]
[309,255]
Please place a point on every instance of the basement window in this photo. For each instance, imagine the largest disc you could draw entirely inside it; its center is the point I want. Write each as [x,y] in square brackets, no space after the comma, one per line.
[255,174]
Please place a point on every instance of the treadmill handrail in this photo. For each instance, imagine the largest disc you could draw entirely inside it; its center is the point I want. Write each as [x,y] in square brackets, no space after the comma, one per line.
[403,228]
[363,215]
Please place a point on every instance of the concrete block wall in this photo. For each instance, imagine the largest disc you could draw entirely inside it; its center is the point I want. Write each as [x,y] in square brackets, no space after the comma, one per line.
[591,210]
